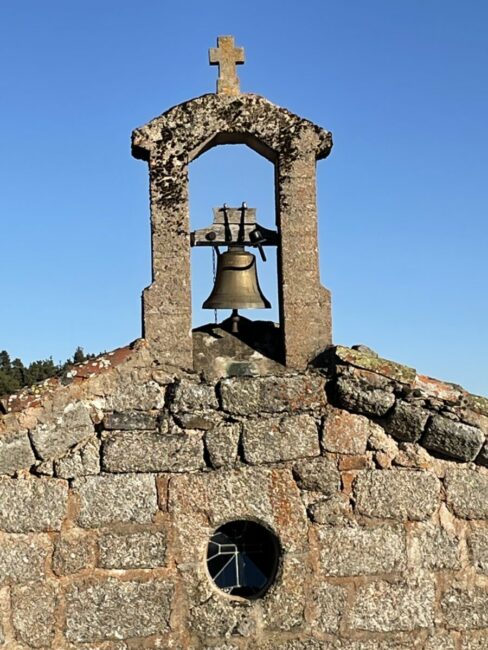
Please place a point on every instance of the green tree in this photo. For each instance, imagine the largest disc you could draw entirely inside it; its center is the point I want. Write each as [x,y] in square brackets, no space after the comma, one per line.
[19,372]
[11,374]
[40,370]
[4,360]
[79,356]
[14,375]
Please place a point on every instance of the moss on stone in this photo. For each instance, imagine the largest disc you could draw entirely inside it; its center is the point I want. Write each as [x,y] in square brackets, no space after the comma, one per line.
[390,369]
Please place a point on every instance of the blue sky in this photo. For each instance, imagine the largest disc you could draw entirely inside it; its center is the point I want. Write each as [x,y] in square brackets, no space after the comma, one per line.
[403,198]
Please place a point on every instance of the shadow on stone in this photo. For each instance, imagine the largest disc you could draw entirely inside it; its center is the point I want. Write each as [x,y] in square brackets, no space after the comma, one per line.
[257,349]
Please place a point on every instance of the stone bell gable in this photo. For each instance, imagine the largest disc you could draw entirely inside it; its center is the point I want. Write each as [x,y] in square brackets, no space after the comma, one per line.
[168,144]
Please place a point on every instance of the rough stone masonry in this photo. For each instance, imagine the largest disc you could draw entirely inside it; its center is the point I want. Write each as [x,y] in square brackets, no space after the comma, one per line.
[114,477]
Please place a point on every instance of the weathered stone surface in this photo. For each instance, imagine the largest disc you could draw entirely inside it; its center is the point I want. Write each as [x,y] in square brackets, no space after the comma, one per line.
[135,393]
[478,548]
[477,403]
[438,390]
[84,461]
[465,609]
[407,421]
[149,451]
[385,447]
[346,433]
[383,460]
[364,392]
[440,641]
[387,607]
[331,604]
[284,606]
[364,349]
[249,396]
[396,494]
[218,645]
[218,617]
[348,463]
[296,644]
[33,614]
[97,610]
[473,641]
[376,644]
[222,444]
[368,360]
[138,550]
[226,55]
[380,441]
[357,550]
[468,416]
[413,455]
[73,552]
[217,353]
[108,499]
[358,594]
[453,439]
[482,458]
[336,510]
[200,502]
[53,439]
[32,505]
[189,397]
[317,474]
[270,440]
[44,468]
[102,645]
[15,452]
[438,548]
[23,558]
[205,421]
[130,421]
[467,493]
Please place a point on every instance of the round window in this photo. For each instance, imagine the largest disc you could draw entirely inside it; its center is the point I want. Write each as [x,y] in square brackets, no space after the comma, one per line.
[242,558]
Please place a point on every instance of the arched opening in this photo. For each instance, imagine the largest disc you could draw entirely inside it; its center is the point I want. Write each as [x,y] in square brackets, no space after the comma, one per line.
[231,174]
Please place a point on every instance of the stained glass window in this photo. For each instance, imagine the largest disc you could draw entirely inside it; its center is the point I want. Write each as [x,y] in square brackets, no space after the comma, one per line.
[242,558]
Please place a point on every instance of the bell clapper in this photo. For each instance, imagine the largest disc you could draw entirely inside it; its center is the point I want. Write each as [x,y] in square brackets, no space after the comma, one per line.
[234,321]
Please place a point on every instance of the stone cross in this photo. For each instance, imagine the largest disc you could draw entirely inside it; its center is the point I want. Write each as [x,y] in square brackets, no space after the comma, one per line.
[227,56]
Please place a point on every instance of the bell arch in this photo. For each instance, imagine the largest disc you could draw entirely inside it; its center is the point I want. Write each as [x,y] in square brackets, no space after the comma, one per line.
[230,174]
[225,137]
[169,143]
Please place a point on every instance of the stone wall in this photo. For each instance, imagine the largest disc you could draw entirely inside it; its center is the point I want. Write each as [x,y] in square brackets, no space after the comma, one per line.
[372,477]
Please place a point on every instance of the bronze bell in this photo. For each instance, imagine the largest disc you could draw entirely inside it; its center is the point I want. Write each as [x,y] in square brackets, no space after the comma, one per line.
[236,283]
